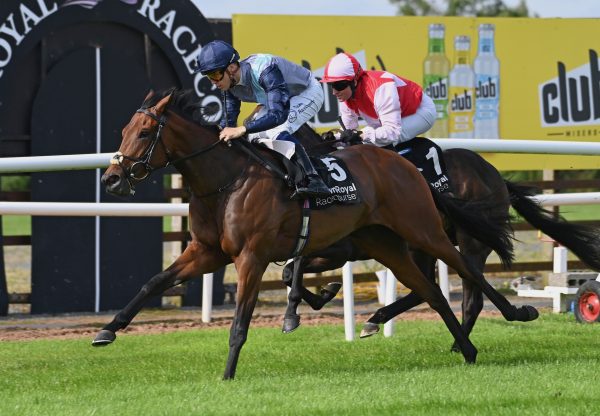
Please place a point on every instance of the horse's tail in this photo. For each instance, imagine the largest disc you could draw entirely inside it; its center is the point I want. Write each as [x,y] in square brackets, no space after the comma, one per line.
[480,219]
[582,240]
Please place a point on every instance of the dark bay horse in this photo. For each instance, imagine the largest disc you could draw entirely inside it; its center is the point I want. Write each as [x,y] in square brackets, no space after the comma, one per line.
[241,213]
[472,177]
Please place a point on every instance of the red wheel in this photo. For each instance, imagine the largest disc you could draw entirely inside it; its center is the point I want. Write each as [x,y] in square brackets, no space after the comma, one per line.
[587,304]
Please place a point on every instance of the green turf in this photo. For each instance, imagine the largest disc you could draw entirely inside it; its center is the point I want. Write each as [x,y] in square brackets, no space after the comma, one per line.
[580,212]
[16,224]
[546,367]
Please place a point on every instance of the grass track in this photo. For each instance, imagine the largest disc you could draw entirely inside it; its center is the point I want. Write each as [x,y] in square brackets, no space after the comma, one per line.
[545,367]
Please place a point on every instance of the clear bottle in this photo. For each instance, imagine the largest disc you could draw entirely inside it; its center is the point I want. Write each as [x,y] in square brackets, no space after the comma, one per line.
[436,68]
[487,74]
[461,105]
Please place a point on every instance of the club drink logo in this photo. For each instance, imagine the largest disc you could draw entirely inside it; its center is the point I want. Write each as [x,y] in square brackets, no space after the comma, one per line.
[573,97]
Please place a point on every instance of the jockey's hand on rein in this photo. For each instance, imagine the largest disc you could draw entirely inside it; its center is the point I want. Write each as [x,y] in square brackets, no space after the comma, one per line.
[328,136]
[351,137]
[230,133]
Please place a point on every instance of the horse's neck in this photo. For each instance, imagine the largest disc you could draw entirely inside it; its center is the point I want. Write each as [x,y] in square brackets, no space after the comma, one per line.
[208,171]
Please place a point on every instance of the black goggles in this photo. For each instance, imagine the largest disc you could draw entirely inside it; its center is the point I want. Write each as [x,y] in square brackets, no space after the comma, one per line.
[340,85]
[216,75]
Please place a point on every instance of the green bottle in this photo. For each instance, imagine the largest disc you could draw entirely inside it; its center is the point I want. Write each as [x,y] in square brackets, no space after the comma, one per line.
[436,68]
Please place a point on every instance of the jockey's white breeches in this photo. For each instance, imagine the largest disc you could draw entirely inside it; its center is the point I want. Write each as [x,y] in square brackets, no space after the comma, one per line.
[303,107]
[418,123]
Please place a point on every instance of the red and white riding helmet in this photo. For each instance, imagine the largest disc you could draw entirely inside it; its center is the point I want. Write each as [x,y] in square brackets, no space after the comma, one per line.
[342,67]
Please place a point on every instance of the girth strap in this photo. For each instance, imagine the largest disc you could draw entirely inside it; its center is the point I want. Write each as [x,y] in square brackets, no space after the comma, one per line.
[304,229]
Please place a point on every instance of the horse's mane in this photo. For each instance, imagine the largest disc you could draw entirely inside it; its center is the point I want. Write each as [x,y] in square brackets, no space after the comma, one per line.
[312,141]
[186,104]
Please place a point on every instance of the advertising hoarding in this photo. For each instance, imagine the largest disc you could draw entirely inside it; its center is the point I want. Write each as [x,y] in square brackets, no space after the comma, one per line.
[508,78]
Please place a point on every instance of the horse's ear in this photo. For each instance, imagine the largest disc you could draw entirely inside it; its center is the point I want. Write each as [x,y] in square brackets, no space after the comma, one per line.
[150,94]
[162,104]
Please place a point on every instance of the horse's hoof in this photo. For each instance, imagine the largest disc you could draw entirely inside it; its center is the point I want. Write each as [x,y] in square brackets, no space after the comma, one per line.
[527,313]
[470,360]
[290,323]
[103,338]
[369,329]
[455,348]
[470,355]
[532,312]
[330,291]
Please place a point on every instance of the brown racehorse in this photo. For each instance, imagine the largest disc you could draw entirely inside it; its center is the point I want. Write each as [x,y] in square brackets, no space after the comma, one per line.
[241,213]
[473,178]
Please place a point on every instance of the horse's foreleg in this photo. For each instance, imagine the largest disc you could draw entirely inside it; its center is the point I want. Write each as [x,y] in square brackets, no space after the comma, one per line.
[291,319]
[193,262]
[472,302]
[314,265]
[250,270]
[330,258]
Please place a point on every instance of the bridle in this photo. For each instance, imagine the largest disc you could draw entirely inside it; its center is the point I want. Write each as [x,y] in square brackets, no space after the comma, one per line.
[141,168]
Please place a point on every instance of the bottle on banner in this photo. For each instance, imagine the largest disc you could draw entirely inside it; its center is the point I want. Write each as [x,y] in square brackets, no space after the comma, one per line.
[436,68]
[462,91]
[487,74]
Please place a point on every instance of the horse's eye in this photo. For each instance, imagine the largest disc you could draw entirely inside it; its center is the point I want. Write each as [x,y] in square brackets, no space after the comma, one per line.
[144,134]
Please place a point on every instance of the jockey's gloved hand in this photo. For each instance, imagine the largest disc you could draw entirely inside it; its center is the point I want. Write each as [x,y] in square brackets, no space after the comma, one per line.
[328,136]
[351,137]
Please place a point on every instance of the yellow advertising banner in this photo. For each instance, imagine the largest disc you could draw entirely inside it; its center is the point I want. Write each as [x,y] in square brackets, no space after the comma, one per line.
[507,78]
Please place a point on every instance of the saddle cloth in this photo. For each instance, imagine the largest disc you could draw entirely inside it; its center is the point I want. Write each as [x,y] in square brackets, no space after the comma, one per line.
[339,179]
[427,157]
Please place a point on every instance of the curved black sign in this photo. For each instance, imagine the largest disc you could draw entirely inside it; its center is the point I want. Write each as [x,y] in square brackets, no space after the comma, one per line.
[176,26]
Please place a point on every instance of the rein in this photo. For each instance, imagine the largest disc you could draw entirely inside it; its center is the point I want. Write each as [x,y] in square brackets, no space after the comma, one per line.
[325,143]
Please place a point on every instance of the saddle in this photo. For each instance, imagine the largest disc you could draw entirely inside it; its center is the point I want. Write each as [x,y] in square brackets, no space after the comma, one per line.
[332,170]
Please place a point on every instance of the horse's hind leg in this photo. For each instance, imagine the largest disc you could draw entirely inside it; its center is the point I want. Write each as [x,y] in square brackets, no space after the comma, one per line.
[382,315]
[193,262]
[427,265]
[390,250]
[441,248]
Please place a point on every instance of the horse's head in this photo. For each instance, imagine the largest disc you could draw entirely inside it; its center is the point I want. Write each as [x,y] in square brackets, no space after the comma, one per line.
[136,157]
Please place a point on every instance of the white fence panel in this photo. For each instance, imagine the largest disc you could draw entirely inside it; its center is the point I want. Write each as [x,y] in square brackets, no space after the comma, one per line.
[102,160]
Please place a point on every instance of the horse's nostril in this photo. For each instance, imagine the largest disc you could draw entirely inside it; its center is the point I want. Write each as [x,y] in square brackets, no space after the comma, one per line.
[110,180]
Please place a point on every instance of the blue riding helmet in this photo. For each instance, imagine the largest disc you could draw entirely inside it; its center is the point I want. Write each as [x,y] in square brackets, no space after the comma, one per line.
[216,55]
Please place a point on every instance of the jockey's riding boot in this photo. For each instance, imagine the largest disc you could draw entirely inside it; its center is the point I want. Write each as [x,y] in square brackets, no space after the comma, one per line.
[314,187]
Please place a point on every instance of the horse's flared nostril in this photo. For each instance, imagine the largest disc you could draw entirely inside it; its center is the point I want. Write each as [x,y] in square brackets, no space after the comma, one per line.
[111,181]
[116,184]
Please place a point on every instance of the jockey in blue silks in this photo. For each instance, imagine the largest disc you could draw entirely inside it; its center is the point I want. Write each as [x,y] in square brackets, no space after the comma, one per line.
[287,93]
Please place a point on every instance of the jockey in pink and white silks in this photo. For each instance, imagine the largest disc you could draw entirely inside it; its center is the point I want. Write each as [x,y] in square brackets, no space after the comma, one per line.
[395,109]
